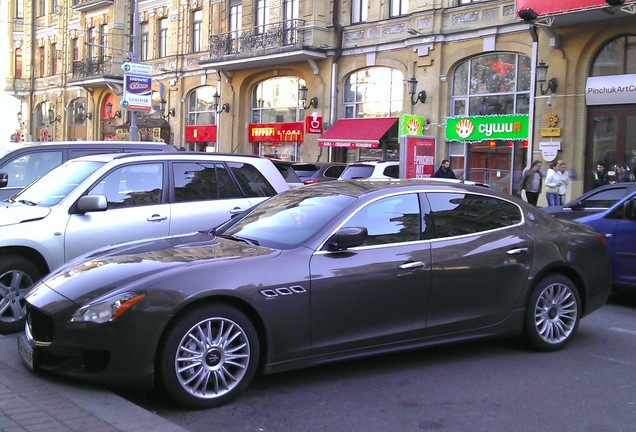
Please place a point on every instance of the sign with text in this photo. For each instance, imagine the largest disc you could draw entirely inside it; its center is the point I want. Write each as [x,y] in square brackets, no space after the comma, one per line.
[610,90]
[481,128]
[137,93]
[139,69]
[275,132]
[313,124]
[417,156]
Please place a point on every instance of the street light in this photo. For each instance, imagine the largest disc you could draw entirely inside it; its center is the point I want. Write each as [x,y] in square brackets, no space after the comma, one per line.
[302,97]
[109,111]
[217,100]
[412,86]
[542,73]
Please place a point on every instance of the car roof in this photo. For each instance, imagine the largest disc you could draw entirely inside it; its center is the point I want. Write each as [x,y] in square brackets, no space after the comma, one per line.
[106,157]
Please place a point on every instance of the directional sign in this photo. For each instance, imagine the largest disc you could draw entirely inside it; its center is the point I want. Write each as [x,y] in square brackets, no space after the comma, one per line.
[138,69]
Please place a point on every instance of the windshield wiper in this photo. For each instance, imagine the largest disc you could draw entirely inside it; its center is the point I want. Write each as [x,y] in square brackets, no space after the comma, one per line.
[249,241]
[27,202]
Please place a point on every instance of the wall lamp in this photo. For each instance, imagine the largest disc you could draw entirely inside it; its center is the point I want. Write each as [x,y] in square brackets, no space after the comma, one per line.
[20,117]
[542,72]
[302,97]
[217,100]
[53,118]
[81,114]
[171,112]
[528,14]
[109,111]
[421,96]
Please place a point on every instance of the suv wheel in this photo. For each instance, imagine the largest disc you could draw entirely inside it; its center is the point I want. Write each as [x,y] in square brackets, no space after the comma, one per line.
[16,278]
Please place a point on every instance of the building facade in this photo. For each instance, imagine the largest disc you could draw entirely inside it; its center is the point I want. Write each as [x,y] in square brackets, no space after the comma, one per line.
[274,77]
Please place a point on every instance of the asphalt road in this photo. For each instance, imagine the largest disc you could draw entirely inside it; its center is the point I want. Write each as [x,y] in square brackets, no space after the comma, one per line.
[481,386]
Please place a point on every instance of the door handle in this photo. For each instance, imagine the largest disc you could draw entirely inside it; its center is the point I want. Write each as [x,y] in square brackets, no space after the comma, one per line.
[609,235]
[236,210]
[156,218]
[411,265]
[517,251]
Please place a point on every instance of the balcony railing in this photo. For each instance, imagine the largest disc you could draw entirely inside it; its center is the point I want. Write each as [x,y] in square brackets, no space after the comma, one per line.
[89,5]
[277,35]
[92,67]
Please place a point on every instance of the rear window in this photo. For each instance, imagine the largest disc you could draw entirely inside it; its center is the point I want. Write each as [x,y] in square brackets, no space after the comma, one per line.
[251,180]
[305,170]
[357,171]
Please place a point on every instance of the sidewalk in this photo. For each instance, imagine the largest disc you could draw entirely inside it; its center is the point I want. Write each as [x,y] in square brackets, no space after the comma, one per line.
[30,402]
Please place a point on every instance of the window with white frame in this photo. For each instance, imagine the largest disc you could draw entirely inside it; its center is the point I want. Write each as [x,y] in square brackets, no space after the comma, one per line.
[491,84]
[236,15]
[143,49]
[359,9]
[262,14]
[373,92]
[201,106]
[19,9]
[197,30]
[399,7]
[276,100]
[163,37]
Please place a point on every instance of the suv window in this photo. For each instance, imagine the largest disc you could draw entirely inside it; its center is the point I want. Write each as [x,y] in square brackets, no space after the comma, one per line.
[27,167]
[132,186]
[334,171]
[203,182]
[252,182]
[357,171]
[604,199]
[390,220]
[392,171]
[455,214]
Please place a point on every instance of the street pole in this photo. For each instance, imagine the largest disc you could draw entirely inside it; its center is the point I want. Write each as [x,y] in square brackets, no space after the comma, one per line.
[134,131]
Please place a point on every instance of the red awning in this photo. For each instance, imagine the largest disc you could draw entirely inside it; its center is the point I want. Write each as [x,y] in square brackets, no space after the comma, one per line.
[357,133]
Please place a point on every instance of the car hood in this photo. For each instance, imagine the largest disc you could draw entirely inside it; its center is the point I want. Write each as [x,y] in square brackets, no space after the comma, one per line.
[136,264]
[15,213]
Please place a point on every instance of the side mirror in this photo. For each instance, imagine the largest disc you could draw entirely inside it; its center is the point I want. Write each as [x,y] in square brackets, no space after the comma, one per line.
[91,203]
[347,238]
[4,180]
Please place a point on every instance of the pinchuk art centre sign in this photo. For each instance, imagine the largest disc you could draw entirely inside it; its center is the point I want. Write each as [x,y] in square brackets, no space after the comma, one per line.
[480,128]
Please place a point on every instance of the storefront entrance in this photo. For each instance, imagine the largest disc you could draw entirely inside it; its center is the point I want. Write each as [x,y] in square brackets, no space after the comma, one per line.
[611,138]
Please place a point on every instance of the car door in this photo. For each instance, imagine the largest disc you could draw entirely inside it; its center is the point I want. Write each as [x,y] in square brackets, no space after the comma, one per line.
[137,209]
[480,260]
[595,201]
[376,293]
[205,195]
[619,229]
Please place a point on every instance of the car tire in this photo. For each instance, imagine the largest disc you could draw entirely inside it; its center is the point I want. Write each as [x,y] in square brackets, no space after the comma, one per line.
[553,313]
[208,357]
[17,276]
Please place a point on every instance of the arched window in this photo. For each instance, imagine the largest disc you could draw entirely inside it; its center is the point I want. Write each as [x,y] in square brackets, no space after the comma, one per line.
[276,100]
[617,57]
[18,63]
[201,106]
[491,84]
[373,92]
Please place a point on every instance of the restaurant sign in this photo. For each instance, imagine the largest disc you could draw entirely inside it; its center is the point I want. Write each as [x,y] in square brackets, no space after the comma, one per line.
[275,132]
[480,128]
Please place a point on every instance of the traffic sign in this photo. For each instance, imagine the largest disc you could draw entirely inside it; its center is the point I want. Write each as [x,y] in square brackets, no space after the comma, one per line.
[138,69]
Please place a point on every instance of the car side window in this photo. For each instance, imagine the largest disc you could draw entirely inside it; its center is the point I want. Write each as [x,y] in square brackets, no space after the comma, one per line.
[251,180]
[392,171]
[334,171]
[394,219]
[455,214]
[132,186]
[603,199]
[30,166]
[195,181]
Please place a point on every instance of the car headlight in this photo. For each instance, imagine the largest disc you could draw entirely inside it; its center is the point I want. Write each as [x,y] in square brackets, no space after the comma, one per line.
[107,310]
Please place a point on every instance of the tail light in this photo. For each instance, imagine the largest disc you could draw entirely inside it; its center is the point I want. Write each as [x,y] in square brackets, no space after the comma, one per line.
[311,181]
[602,241]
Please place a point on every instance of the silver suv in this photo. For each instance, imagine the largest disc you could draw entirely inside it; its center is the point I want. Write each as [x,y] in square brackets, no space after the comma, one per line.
[101,200]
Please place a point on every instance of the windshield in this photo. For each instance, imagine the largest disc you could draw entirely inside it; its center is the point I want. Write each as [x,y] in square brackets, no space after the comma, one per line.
[52,187]
[288,220]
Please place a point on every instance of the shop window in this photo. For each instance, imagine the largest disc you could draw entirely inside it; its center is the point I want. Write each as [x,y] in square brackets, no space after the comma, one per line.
[617,57]
[201,106]
[373,92]
[276,100]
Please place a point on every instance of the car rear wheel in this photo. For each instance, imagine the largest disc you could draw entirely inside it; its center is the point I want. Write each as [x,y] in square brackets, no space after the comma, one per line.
[208,356]
[553,313]
[17,276]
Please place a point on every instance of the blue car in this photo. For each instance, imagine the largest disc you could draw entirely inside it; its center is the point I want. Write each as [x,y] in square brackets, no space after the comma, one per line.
[618,225]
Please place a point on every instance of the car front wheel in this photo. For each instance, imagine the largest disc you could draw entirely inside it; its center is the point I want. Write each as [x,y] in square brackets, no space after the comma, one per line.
[17,276]
[208,356]
[553,313]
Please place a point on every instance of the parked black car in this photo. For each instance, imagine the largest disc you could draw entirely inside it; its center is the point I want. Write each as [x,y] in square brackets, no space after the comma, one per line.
[595,201]
[324,272]
[317,172]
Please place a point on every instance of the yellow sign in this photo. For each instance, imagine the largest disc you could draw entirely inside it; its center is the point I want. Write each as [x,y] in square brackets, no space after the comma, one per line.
[551,132]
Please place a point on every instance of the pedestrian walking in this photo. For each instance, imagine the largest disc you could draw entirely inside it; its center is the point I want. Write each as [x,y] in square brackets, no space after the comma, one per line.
[532,182]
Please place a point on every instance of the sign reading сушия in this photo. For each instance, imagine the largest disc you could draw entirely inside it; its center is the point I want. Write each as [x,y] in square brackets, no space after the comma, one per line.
[480,128]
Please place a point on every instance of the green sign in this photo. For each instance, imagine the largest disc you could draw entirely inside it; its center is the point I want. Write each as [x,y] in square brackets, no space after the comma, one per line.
[410,125]
[482,128]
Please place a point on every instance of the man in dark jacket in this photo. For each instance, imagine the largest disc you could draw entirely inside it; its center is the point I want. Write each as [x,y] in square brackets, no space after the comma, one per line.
[599,177]
[444,170]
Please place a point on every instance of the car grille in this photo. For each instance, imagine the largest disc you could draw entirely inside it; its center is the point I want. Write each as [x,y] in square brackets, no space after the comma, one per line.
[40,325]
